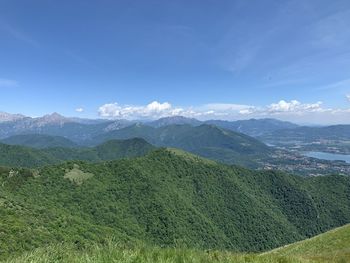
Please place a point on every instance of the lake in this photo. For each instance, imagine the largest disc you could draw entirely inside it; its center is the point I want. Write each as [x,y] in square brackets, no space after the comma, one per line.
[328,156]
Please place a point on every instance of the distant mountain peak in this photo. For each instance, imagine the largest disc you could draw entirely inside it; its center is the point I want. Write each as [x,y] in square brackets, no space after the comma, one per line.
[4,116]
[54,115]
[53,118]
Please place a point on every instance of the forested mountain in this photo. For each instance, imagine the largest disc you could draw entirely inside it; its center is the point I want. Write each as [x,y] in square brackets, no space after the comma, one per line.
[39,141]
[79,130]
[205,140]
[21,156]
[165,198]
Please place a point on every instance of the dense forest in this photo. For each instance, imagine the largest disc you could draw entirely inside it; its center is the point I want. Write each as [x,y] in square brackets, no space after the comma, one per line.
[166,198]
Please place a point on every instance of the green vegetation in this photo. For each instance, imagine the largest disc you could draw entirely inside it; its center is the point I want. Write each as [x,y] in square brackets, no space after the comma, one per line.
[20,156]
[205,140]
[77,176]
[332,246]
[167,198]
[39,141]
[141,254]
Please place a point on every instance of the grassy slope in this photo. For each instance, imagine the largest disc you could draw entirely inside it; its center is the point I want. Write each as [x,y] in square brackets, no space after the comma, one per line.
[141,254]
[332,246]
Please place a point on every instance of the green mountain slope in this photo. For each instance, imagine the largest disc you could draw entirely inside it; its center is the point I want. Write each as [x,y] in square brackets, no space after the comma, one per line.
[20,156]
[39,141]
[206,140]
[254,127]
[166,198]
[332,246]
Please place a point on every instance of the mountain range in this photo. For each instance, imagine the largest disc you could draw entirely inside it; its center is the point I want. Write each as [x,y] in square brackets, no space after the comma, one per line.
[205,140]
[21,156]
[78,130]
[224,141]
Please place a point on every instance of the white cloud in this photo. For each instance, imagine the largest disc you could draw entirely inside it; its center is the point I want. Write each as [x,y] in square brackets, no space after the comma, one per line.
[348,97]
[155,106]
[79,110]
[292,110]
[152,110]
[294,106]
[8,83]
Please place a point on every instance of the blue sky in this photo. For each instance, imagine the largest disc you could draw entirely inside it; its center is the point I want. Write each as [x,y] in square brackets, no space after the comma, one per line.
[205,59]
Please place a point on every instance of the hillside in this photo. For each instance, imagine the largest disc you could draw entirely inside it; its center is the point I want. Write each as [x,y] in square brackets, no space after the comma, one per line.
[21,156]
[205,140]
[251,127]
[166,198]
[332,246]
[39,141]
[254,127]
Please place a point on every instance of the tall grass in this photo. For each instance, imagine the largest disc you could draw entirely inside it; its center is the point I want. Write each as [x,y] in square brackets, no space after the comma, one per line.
[141,254]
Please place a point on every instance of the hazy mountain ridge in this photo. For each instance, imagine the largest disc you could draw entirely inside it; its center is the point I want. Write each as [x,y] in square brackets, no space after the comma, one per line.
[39,141]
[4,117]
[21,156]
[56,124]
[254,127]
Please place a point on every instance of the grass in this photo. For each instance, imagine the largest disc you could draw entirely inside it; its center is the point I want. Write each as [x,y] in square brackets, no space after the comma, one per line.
[332,246]
[117,254]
